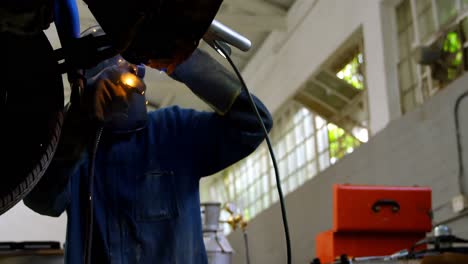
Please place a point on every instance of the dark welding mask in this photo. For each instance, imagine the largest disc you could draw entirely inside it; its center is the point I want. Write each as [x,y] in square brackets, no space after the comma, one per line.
[126,77]
[154,32]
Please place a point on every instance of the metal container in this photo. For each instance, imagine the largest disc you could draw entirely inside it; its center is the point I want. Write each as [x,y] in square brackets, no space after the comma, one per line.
[210,216]
[218,249]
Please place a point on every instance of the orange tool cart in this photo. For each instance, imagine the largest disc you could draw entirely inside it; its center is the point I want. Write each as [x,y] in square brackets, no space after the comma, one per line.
[375,221]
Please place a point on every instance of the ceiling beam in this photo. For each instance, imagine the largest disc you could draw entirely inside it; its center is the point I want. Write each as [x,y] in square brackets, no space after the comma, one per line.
[331,90]
[318,101]
[257,7]
[253,23]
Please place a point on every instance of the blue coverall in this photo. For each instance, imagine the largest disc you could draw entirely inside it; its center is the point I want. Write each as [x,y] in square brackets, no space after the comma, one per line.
[146,198]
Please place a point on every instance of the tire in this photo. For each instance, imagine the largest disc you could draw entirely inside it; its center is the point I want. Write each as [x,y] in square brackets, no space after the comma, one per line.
[31,113]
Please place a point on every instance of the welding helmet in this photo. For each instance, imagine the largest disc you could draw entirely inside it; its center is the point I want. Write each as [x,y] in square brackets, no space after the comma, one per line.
[154,30]
[31,113]
[129,78]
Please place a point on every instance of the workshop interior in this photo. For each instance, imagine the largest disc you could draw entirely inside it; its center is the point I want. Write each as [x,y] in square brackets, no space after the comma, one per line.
[366,160]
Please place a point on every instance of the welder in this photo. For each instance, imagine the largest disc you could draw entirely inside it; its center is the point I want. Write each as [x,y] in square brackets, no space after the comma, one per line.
[147,165]
[160,34]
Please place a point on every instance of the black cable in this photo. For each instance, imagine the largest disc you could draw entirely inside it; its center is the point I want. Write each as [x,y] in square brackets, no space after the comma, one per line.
[270,148]
[90,213]
[246,243]
[461,167]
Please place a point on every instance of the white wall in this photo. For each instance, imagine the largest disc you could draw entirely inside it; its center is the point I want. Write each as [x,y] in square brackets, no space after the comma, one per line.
[22,224]
[316,30]
[418,149]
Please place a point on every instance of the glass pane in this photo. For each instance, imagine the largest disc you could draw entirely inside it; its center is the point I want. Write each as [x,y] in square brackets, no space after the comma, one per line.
[408,101]
[322,139]
[403,15]
[319,122]
[282,148]
[447,9]
[404,43]
[404,75]
[266,202]
[311,170]
[324,160]
[274,196]
[260,206]
[414,69]
[464,26]
[301,177]
[253,212]
[244,180]
[310,149]
[238,185]
[308,126]
[285,186]
[297,117]
[300,155]
[292,164]
[426,22]
[258,189]
[293,183]
[251,196]
[283,170]
[231,191]
[252,192]
[265,184]
[264,166]
[288,121]
[273,178]
[423,5]
[256,169]
[299,133]
[290,141]
[250,175]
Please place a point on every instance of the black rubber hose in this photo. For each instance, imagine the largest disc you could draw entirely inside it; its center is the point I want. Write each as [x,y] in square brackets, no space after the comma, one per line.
[270,148]
[461,167]
[90,208]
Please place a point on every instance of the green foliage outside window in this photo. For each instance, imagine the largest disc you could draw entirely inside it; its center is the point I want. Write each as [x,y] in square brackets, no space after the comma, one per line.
[453,46]
[351,73]
[341,143]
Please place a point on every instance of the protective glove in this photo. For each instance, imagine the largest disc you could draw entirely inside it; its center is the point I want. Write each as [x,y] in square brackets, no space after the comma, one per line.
[106,96]
[115,99]
[209,80]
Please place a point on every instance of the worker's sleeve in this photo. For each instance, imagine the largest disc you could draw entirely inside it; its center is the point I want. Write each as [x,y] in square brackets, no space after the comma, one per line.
[213,142]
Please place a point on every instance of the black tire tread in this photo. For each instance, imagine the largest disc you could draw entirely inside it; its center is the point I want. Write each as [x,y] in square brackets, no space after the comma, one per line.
[29,182]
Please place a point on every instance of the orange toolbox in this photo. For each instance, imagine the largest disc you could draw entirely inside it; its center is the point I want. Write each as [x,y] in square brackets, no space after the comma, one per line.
[381,208]
[375,220]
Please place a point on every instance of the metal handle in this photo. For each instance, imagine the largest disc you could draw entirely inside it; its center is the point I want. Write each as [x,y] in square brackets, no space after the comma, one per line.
[377,206]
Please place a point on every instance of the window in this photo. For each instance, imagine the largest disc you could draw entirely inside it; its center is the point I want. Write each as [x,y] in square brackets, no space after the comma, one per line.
[326,120]
[341,143]
[304,144]
[352,72]
[431,39]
